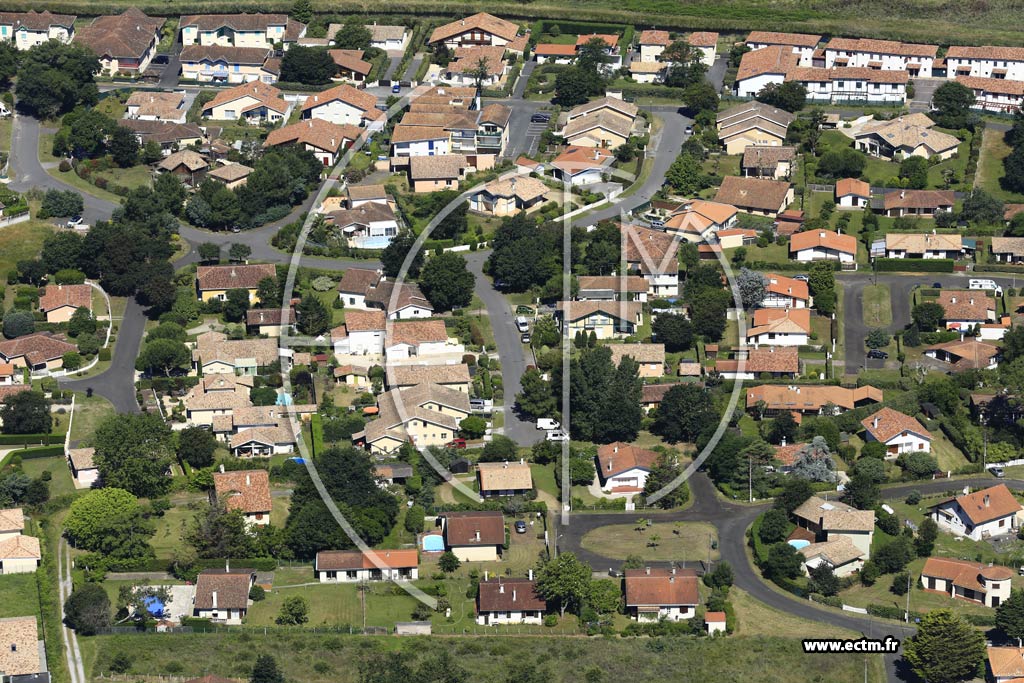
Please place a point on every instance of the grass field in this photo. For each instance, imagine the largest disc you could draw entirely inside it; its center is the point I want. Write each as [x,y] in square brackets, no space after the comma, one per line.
[89,412]
[21,241]
[60,483]
[757,619]
[19,595]
[620,540]
[339,604]
[990,166]
[877,306]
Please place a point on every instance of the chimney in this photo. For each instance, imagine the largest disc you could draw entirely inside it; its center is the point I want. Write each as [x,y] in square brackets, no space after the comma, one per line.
[610,465]
[874,423]
[672,579]
[222,468]
[513,595]
[673,570]
[903,194]
[529,574]
[248,480]
[214,596]
[986,500]
[647,570]
[783,441]
[227,566]
[477,536]
[486,573]
[821,234]
[501,587]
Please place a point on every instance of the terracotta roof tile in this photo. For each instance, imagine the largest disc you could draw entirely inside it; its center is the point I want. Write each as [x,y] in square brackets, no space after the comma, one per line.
[239,276]
[852,186]
[245,490]
[616,458]
[19,655]
[641,353]
[828,239]
[126,35]
[810,397]
[463,529]
[661,587]
[988,504]
[753,193]
[986,52]
[249,56]
[509,595]
[417,332]
[774,59]
[888,423]
[768,359]
[351,60]
[968,305]
[232,589]
[703,39]
[360,99]
[57,296]
[919,199]
[440,167]
[324,135]
[504,476]
[40,347]
[481,21]
[12,519]
[789,39]
[349,560]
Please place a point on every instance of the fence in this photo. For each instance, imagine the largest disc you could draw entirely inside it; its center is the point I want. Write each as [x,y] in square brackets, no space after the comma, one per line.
[12,220]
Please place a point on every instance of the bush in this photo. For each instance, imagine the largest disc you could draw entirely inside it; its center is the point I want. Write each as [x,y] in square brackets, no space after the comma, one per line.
[551,620]
[257,594]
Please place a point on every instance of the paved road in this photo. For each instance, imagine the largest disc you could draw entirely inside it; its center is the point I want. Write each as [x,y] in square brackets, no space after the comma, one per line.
[716,74]
[924,88]
[76,670]
[524,78]
[172,70]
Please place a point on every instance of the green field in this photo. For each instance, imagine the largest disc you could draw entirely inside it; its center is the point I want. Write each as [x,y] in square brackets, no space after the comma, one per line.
[21,241]
[89,412]
[680,542]
[61,482]
[877,305]
[19,595]
[990,166]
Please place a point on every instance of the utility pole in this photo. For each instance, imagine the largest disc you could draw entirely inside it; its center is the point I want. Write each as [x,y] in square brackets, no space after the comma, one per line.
[750,478]
[908,597]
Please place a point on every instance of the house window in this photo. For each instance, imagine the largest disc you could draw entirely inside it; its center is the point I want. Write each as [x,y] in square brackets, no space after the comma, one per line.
[259,516]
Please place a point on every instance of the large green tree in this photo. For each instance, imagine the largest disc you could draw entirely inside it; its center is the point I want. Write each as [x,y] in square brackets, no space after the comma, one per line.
[945,649]
[87,609]
[353,35]
[163,355]
[134,452]
[685,411]
[54,77]
[447,282]
[108,522]
[307,65]
[26,412]
[951,105]
[564,581]
[1010,616]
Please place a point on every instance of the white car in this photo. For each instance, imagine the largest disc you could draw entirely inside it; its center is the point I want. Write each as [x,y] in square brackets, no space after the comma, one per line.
[556,435]
[547,424]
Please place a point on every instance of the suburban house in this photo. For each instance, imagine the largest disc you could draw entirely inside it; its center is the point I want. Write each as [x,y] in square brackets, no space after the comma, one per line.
[125,43]
[651,396]
[840,554]
[214,354]
[997,95]
[156,106]
[254,102]
[650,357]
[752,123]
[555,53]
[343,566]
[923,245]
[605,127]
[652,43]
[973,581]
[979,515]
[214,282]
[654,255]
[361,334]
[507,197]
[59,302]
[452,376]
[269,321]
[475,536]
[23,656]
[881,55]
[504,479]
[707,43]
[430,416]
[436,173]
[657,593]
[755,195]
[509,601]
[787,455]
[965,354]
[852,85]
[899,433]
[610,48]
[623,467]
[823,245]
[838,524]
[775,163]
[465,67]
[217,394]
[366,289]
[904,137]
[247,491]
[852,193]
[785,292]
[479,29]
[393,472]
[326,140]
[419,339]
[802,45]
[371,225]
[921,203]
[187,166]
[409,140]
[1006,663]
[780,327]
[263,442]
[606,319]
[384,37]
[809,399]
[19,553]
[222,595]
[83,469]
[647,72]
[240,30]
[170,136]
[226,64]
[763,66]
[964,309]
[354,285]
[582,165]
[986,61]
[1008,249]
[611,288]
[342,105]
[28,29]
[700,220]
[774,361]
[39,351]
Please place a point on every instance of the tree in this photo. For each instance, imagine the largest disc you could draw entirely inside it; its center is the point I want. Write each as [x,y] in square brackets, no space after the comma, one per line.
[592,56]
[163,355]
[945,648]
[794,493]
[914,170]
[823,580]
[708,313]
[294,611]
[604,597]
[196,446]
[982,208]
[239,252]
[62,203]
[927,316]
[666,469]
[18,323]
[88,345]
[307,65]
[152,153]
[774,526]
[26,412]
[927,534]
[685,411]
[9,56]
[53,78]
[862,491]
[536,398]
[209,252]
[133,452]
[844,162]
[353,35]
[393,256]
[919,465]
[783,562]
[473,427]
[448,562]
[789,96]
[565,581]
[783,427]
[878,338]
[302,11]
[574,86]
[721,576]
[686,175]
[814,462]
[87,609]
[61,250]
[313,317]
[123,146]
[265,670]
[685,66]
[447,282]
[545,332]
[109,522]
[498,449]
[951,105]
[72,360]
[1013,170]
[81,322]
[674,331]
[236,305]
[753,286]
[1010,615]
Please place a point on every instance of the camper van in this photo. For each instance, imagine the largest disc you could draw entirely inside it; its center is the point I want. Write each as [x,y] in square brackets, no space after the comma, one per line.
[985,284]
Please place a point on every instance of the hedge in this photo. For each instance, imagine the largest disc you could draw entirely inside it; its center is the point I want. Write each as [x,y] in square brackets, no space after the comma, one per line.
[794,266]
[917,265]
[578,27]
[317,429]
[40,452]
[26,439]
[152,564]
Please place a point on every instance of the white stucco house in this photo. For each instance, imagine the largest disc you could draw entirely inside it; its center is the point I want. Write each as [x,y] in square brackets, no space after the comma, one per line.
[899,432]
[654,594]
[989,512]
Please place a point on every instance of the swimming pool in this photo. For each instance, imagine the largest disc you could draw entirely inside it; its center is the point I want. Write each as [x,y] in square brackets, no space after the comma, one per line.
[432,543]
[284,399]
[799,543]
[154,606]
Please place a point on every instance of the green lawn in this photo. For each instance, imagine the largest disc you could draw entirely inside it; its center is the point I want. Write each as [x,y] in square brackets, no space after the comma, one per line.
[61,482]
[990,166]
[338,604]
[723,164]
[136,176]
[21,241]
[544,479]
[171,528]
[89,412]
[877,306]
[279,511]
[680,541]
[19,596]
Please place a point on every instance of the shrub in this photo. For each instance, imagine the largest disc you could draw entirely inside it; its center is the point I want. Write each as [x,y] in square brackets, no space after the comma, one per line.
[551,620]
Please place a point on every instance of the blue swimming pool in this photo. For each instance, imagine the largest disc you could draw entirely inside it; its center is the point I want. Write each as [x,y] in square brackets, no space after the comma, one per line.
[799,543]
[432,543]
[154,606]
[284,399]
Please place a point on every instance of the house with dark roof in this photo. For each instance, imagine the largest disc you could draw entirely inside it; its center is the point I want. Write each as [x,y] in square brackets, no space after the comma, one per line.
[222,595]
[474,536]
[752,123]
[986,584]
[980,515]
[343,566]
[240,30]
[39,352]
[125,43]
[226,64]
[756,196]
[170,136]
[773,361]
[479,29]
[509,601]
[922,203]
[657,593]
[269,321]
[28,29]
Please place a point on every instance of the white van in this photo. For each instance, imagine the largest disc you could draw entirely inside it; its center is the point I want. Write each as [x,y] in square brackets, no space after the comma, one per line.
[548,424]
[522,324]
[985,284]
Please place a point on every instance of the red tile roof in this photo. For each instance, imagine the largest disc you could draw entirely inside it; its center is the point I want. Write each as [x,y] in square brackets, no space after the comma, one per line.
[661,587]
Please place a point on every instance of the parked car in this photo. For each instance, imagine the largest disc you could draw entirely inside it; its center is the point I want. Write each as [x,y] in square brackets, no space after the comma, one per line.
[876,353]
[689,130]
[802,278]
[456,443]
[520,527]
[546,423]
[540,117]
[525,337]
[74,221]
[396,88]
[556,435]
[997,471]
[936,285]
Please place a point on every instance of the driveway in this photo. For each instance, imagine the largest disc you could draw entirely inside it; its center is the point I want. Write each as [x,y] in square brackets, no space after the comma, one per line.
[716,74]
[924,88]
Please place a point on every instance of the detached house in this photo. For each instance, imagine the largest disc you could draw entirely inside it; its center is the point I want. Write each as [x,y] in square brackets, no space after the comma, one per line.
[1006,664]
[774,163]
[342,105]
[785,292]
[654,255]
[852,194]
[809,399]
[39,352]
[254,102]
[842,534]
[214,282]
[23,657]
[611,288]
[653,594]
[763,66]
[509,601]
[59,302]
[464,69]
[326,140]
[350,66]
[780,327]
[430,416]
[225,64]
[582,165]
[774,361]
[980,515]
[216,354]
[922,203]
[504,479]
[83,469]
[755,195]
[1008,249]
[923,246]
[700,220]
[650,357]
[247,491]
[623,468]
[215,395]
[436,173]
[652,43]
[899,433]
[124,43]
[904,137]
[606,319]
[222,595]
[452,376]
[156,106]
[509,196]
[707,43]
[361,334]
[968,354]
[479,29]
[752,123]
[802,45]
[986,584]
[823,245]
[344,566]
[964,309]
[19,553]
[28,29]
[475,536]
[419,339]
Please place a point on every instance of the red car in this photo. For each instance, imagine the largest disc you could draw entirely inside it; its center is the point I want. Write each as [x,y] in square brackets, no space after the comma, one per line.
[456,443]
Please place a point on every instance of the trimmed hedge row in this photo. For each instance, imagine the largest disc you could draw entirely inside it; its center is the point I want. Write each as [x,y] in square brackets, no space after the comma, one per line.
[25,439]
[39,452]
[917,265]
[794,266]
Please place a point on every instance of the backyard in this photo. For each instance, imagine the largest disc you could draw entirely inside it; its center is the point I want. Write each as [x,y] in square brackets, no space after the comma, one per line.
[990,166]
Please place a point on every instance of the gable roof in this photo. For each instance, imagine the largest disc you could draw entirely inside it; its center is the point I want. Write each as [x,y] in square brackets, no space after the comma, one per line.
[888,423]
[365,321]
[504,476]
[360,99]
[125,35]
[852,186]
[58,296]
[661,587]
[971,305]
[776,38]
[231,588]
[473,528]
[351,60]
[37,21]
[467,59]
[409,294]
[366,192]
[575,159]
[440,167]
[764,156]
[615,104]
[12,519]
[160,104]
[767,359]
[774,59]
[920,243]
[412,375]
[606,120]
[319,133]
[19,647]
[622,310]
[1007,662]
[416,332]
[827,239]
[229,54]
[780,321]
[480,21]
[703,39]
[237,276]
[971,353]
[20,547]
[191,160]
[654,37]
[164,132]
[508,595]
[242,21]
[641,353]
[36,348]
[988,504]
[615,283]
[82,458]
[787,286]
[265,95]
[754,109]
[358,280]
[837,551]
[616,458]
[965,573]
[983,52]
[882,47]
[918,199]
[245,490]
[753,193]
[349,560]
[810,397]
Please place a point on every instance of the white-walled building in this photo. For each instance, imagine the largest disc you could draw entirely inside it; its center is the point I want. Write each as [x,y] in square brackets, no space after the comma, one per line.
[823,245]
[623,468]
[899,433]
[852,84]
[802,45]
[884,55]
[999,95]
[989,512]
[509,601]
[656,593]
[345,566]
[361,334]
[987,61]
[761,67]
